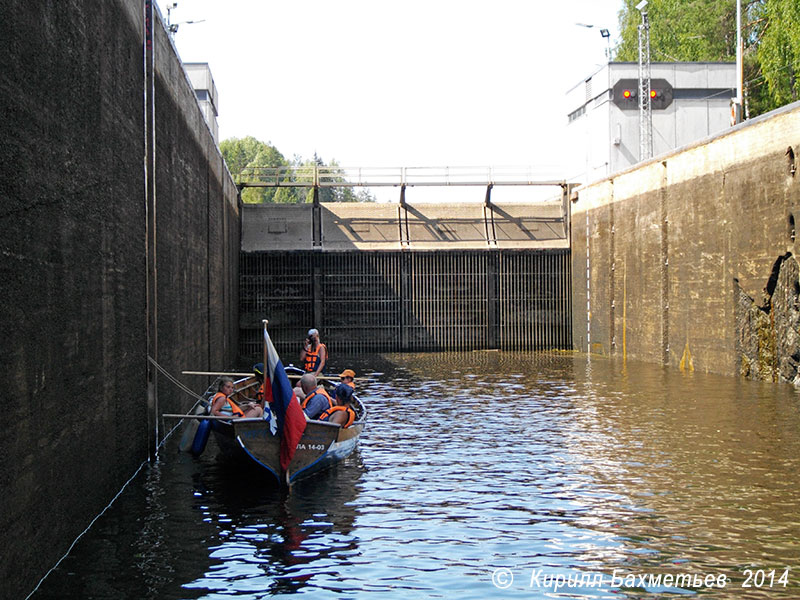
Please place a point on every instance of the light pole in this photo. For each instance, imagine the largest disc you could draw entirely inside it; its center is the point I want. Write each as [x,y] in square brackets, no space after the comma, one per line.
[603,32]
[607,35]
[172,28]
[736,103]
[170,7]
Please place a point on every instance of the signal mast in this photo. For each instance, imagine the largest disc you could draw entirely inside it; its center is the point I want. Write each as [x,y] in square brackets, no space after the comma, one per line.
[645,105]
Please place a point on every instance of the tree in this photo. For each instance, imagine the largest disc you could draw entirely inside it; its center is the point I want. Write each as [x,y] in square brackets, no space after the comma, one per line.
[778,50]
[705,30]
[681,30]
[248,154]
[245,156]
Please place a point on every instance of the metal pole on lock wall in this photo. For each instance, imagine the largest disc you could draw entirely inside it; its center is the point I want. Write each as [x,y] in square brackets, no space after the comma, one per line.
[645,105]
[736,112]
[151,301]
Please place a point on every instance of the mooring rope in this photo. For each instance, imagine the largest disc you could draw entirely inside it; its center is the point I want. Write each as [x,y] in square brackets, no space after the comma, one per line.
[180,385]
[88,527]
[174,380]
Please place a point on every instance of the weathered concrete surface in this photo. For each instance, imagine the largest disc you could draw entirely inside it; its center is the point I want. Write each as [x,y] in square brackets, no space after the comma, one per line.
[73,264]
[663,253]
[769,327]
[356,226]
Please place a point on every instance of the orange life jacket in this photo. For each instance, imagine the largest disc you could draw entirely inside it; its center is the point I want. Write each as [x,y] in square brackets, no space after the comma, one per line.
[350,412]
[312,358]
[235,410]
[319,390]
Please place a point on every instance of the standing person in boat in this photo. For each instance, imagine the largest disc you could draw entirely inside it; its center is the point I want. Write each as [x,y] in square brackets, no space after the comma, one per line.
[343,413]
[317,399]
[223,406]
[314,354]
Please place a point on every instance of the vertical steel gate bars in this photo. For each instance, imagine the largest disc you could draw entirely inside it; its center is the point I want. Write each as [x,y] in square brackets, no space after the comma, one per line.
[403,301]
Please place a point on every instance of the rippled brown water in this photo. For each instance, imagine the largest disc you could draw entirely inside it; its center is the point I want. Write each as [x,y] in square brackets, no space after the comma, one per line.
[476,465]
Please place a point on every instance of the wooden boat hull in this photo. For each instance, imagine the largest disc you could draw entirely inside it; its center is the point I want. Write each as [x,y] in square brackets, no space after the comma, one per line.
[322,445]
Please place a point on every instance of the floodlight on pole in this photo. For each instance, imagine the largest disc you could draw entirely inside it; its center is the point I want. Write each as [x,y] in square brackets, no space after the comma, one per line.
[605,33]
[173,27]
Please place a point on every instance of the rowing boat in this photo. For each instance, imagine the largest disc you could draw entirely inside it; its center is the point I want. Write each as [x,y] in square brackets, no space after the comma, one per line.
[257,441]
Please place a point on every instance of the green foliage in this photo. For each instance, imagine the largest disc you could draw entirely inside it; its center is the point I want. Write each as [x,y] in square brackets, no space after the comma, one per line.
[680,30]
[247,153]
[705,30]
[779,49]
[245,156]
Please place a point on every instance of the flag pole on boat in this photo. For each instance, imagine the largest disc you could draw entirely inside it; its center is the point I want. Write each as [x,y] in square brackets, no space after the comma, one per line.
[264,357]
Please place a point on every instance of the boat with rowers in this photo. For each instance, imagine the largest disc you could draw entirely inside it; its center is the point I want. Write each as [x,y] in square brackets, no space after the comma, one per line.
[260,440]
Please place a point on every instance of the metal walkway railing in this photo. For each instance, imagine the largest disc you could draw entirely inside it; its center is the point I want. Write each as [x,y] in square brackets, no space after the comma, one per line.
[315,176]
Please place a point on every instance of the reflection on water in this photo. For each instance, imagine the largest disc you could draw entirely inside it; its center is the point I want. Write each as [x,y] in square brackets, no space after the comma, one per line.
[549,464]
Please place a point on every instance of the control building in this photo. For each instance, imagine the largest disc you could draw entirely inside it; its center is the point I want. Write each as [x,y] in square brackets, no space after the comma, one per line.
[690,101]
[206,91]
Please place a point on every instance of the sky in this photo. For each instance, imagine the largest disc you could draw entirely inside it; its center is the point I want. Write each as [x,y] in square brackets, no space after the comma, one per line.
[401,84]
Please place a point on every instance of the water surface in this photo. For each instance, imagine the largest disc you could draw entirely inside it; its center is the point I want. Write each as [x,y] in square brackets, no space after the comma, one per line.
[479,471]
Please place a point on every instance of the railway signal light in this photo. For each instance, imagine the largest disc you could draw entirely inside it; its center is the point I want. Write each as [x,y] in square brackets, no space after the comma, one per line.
[625,94]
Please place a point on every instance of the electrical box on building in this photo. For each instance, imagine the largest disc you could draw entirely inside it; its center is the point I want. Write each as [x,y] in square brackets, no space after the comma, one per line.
[625,94]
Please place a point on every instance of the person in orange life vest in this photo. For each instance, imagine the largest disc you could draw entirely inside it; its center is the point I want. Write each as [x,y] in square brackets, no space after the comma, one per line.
[223,406]
[314,354]
[347,380]
[317,399]
[343,413]
[347,376]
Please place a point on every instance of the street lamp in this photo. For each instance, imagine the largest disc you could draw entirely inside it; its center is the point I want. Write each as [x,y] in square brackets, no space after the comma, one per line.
[173,27]
[603,32]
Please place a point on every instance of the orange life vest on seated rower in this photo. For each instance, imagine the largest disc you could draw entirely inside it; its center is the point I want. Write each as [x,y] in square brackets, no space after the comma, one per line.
[230,407]
[351,414]
[319,390]
[312,358]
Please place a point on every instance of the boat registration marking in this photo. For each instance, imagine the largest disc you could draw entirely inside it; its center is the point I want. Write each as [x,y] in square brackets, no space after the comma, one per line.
[317,447]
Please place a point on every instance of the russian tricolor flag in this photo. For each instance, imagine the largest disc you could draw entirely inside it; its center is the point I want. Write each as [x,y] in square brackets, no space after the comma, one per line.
[280,394]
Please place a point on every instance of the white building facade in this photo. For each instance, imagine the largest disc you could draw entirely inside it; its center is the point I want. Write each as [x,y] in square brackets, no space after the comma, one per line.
[199,75]
[690,101]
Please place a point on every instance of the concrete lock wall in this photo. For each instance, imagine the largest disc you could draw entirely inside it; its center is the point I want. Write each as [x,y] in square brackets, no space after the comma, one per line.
[686,260]
[74,270]
[386,227]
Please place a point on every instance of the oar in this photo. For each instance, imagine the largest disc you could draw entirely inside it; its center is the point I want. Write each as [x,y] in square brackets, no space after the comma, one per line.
[319,377]
[218,374]
[221,374]
[289,375]
[210,417]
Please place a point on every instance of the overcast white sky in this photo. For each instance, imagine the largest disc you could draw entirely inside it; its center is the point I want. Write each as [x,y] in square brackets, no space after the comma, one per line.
[412,83]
